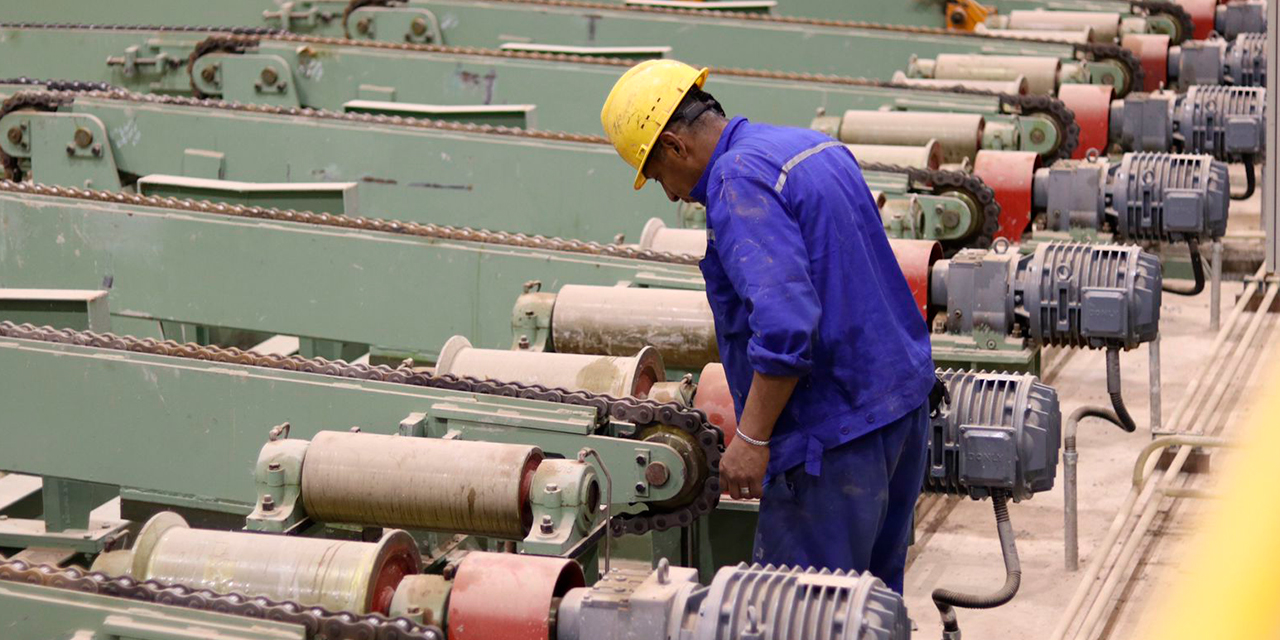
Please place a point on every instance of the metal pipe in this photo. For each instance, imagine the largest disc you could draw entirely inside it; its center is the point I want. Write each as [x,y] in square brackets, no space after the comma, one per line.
[1127,506]
[1153,380]
[1215,285]
[1070,457]
[1128,552]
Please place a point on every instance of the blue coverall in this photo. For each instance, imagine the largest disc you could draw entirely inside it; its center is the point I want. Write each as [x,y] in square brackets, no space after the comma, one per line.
[802,282]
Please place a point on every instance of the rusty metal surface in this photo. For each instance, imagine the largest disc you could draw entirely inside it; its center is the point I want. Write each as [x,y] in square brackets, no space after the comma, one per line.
[1010,174]
[1092,106]
[457,486]
[508,596]
[916,258]
[620,321]
[1152,51]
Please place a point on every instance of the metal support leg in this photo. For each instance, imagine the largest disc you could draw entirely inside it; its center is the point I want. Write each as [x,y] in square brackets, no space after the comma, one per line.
[67,503]
[1215,286]
[1153,379]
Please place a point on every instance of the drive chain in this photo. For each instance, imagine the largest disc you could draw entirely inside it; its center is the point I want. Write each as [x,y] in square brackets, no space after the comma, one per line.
[1172,9]
[319,623]
[642,413]
[360,223]
[943,181]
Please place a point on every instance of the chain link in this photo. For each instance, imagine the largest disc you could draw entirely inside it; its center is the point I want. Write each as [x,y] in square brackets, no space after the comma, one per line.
[319,623]
[943,181]
[642,413]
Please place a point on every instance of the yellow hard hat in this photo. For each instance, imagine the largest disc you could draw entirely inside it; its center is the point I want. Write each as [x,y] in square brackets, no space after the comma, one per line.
[640,105]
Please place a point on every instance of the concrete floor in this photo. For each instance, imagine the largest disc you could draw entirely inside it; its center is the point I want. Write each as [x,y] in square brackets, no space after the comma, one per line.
[959,549]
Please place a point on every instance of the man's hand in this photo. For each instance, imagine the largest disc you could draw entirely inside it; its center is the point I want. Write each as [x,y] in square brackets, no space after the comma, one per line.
[742,469]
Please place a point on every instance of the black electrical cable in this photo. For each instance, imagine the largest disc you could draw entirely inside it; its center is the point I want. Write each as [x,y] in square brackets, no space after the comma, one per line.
[946,600]
[1250,178]
[1113,390]
[1197,269]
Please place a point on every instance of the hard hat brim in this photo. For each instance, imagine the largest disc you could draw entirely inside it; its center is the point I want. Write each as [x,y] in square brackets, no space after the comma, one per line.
[698,81]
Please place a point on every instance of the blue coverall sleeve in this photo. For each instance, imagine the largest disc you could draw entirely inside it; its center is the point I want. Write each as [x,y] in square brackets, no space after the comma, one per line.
[763,253]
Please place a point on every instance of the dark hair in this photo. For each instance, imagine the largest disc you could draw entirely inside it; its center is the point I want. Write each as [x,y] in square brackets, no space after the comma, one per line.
[694,104]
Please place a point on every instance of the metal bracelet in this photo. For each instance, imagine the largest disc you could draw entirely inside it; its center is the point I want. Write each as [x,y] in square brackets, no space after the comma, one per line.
[750,440]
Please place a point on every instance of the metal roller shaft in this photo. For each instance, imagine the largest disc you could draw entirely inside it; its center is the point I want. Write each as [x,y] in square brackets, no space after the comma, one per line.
[623,320]
[958,134]
[1016,86]
[1041,72]
[926,156]
[617,376]
[340,575]
[1105,26]
[657,236]
[477,488]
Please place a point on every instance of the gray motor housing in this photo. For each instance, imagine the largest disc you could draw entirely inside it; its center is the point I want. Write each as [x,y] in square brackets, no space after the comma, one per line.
[1090,295]
[1160,196]
[749,602]
[999,434]
[1240,16]
[1241,62]
[1245,64]
[1221,121]
[1064,294]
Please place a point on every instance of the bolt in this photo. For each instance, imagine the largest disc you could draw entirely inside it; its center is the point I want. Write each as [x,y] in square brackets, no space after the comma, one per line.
[1108,78]
[273,466]
[657,474]
[413,611]
[268,503]
[83,137]
[1037,136]
[551,487]
[96,150]
[15,135]
[71,149]
[209,74]
[355,429]
[523,342]
[269,75]
[957,17]
[547,526]
[640,487]
[991,344]
[418,27]
[641,459]
[106,525]
[363,25]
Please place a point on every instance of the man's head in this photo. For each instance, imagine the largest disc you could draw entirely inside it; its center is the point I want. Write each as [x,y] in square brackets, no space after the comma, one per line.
[663,124]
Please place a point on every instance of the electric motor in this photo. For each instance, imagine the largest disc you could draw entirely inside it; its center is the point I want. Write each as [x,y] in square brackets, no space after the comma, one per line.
[1158,196]
[1224,122]
[1000,433]
[741,602]
[1064,294]
[1241,62]
[1240,17]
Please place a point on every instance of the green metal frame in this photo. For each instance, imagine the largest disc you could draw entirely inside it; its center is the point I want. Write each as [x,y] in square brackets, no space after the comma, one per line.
[403,294]
[352,78]
[715,39]
[489,180]
[147,414]
[32,611]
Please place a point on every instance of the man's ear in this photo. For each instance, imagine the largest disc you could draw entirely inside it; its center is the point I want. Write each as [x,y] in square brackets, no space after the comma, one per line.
[674,144]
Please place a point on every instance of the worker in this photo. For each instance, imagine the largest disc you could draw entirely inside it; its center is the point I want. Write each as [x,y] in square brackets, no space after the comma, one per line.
[827,357]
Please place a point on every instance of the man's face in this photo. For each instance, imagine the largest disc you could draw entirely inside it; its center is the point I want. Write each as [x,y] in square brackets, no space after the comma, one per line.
[673,166]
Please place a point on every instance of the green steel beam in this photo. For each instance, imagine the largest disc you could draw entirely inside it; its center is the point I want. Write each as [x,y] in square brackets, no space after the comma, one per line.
[186,433]
[403,294]
[515,182]
[708,38]
[350,77]
[33,612]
